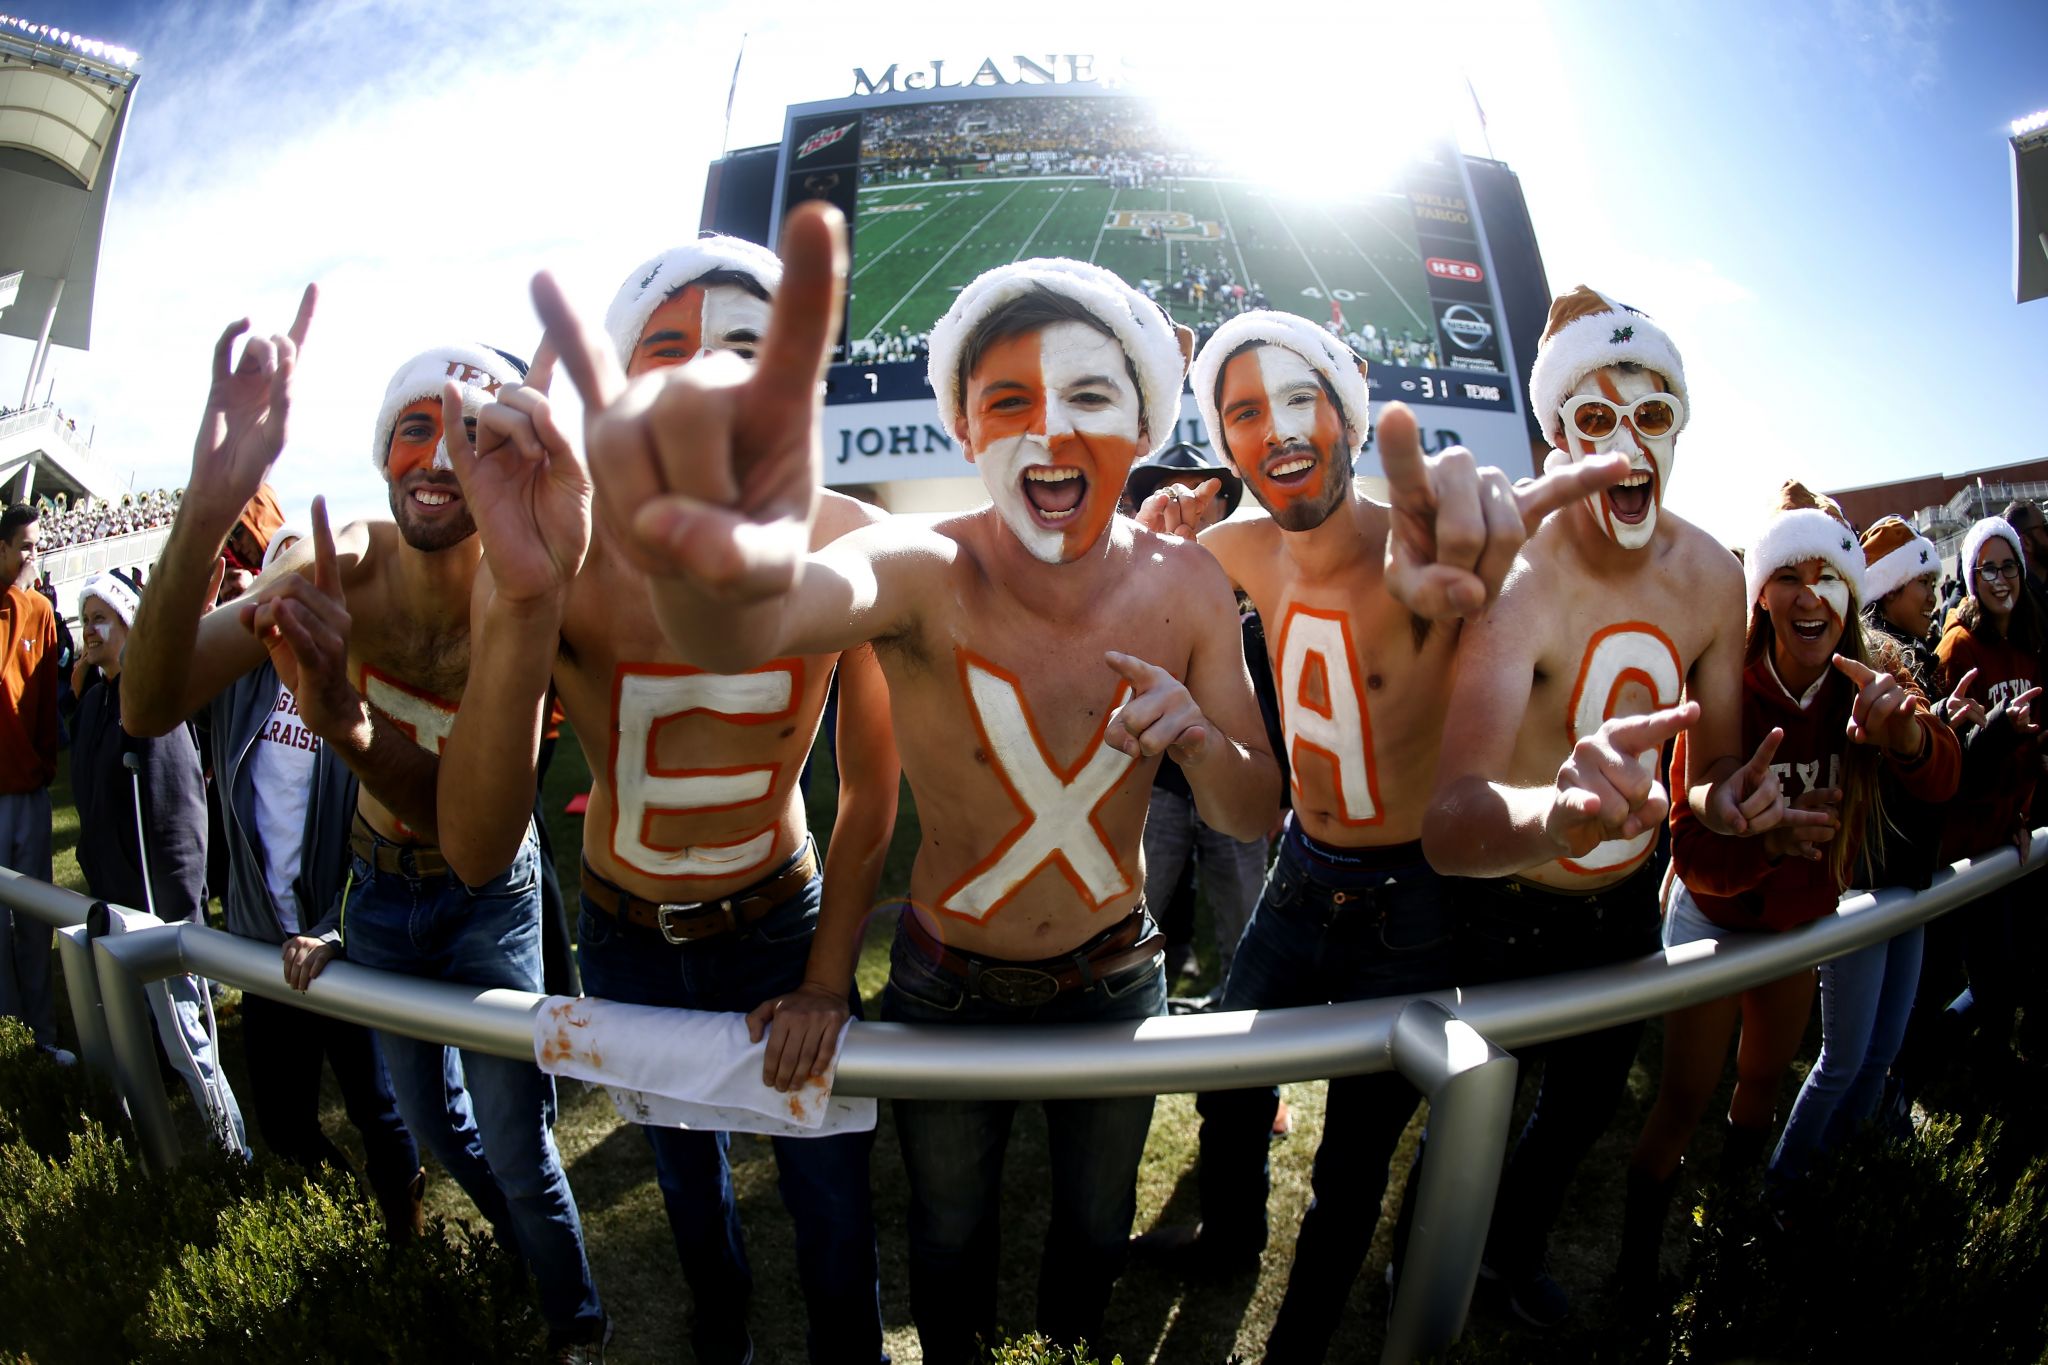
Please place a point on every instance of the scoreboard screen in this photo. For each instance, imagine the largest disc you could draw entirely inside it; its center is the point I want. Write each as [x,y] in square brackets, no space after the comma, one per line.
[938,186]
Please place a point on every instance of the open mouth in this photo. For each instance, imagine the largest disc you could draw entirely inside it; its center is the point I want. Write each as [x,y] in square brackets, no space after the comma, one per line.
[1291,468]
[1630,500]
[1055,493]
[433,497]
[1810,632]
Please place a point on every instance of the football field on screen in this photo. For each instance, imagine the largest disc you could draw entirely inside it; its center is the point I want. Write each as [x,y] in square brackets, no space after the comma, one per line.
[917,243]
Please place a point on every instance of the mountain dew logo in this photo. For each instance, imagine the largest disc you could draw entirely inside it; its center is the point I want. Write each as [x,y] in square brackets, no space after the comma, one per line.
[823,138]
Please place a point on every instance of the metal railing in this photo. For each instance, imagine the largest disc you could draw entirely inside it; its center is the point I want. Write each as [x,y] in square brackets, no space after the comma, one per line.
[1450,1044]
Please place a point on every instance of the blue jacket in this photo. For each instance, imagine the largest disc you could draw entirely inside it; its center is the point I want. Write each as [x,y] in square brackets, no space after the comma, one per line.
[233,720]
[173,800]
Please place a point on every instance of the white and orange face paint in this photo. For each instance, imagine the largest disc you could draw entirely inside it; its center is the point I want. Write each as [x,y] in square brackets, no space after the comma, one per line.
[1650,457]
[1052,426]
[1809,603]
[695,321]
[1284,435]
[416,441]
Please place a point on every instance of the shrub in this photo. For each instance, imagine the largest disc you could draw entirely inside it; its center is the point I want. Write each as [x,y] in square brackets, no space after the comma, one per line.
[1037,1350]
[100,1260]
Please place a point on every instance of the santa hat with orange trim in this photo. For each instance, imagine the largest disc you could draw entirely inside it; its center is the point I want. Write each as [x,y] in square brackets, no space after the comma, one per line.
[1894,554]
[1806,525]
[655,281]
[1974,541]
[480,371]
[1139,325]
[1586,331]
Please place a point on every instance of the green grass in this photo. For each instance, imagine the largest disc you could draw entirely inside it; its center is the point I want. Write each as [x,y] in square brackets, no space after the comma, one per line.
[909,262]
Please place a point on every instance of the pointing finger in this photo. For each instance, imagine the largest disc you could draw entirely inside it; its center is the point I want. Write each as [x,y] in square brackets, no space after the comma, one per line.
[1132,669]
[1961,691]
[1538,498]
[325,577]
[805,320]
[541,372]
[1761,762]
[304,320]
[1855,672]
[1644,733]
[1399,442]
[585,354]
[455,430]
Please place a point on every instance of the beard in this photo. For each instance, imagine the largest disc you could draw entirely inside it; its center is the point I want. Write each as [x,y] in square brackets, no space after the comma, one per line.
[423,534]
[1305,512]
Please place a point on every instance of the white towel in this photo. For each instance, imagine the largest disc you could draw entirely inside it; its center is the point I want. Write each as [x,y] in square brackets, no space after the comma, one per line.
[685,1069]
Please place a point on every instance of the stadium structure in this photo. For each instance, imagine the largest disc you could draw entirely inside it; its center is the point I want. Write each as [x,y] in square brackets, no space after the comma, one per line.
[64,104]
[1433,277]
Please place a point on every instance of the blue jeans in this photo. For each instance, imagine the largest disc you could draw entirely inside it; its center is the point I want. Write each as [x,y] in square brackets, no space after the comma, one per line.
[1322,932]
[824,1180]
[953,1153]
[1514,929]
[1231,868]
[495,1137]
[1865,999]
[25,943]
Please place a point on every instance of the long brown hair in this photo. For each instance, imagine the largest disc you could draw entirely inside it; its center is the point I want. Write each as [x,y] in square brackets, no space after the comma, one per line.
[1863,816]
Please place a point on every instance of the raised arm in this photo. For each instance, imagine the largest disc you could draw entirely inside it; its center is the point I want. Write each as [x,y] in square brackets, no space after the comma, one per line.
[530,496]
[707,474]
[803,1026]
[176,662]
[1209,725]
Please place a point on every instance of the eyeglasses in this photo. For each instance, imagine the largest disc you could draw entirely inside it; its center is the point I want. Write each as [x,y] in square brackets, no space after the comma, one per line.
[1595,418]
[2004,568]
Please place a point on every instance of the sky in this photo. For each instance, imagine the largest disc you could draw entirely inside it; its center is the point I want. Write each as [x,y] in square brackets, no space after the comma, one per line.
[1814,200]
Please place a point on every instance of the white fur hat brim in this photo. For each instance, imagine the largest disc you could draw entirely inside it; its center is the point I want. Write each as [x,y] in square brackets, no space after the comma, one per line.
[1326,355]
[1138,325]
[480,371]
[1796,536]
[280,541]
[1916,558]
[1974,541]
[653,281]
[113,590]
[1590,342]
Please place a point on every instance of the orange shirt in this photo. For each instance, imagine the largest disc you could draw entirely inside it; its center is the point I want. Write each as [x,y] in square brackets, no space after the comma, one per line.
[28,692]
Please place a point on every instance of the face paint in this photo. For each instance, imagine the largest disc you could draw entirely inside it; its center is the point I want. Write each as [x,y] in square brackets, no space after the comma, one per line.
[1323,711]
[1058,803]
[102,631]
[424,718]
[416,441]
[1052,427]
[1809,603]
[1834,592]
[1627,513]
[695,321]
[647,696]
[1285,436]
[1634,653]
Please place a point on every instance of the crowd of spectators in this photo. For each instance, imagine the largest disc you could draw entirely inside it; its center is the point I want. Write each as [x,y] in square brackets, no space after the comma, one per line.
[98,518]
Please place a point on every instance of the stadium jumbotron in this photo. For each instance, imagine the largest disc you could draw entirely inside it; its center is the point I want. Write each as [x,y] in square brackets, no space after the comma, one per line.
[64,101]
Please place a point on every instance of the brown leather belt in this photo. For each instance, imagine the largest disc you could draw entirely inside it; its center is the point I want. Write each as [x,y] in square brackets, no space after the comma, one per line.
[405,860]
[1119,948]
[690,921]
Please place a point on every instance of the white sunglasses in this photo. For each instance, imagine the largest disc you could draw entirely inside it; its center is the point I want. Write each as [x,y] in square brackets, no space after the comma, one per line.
[1597,418]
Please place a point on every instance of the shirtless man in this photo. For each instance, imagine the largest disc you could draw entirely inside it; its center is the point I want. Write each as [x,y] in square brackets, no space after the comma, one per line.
[1619,626]
[1362,630]
[1041,653]
[370,632]
[701,887]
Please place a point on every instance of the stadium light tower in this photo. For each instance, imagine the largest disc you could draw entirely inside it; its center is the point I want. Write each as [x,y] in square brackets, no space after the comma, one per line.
[2030,206]
[64,101]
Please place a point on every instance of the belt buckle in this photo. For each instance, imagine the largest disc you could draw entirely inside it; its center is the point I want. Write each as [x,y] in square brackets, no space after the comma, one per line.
[688,909]
[1017,986]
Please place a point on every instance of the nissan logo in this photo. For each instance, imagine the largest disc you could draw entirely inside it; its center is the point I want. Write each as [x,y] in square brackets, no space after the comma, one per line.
[1466,328]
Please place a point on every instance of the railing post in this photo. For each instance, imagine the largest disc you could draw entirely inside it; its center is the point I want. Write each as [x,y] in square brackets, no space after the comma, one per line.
[82,985]
[1470,1084]
[125,964]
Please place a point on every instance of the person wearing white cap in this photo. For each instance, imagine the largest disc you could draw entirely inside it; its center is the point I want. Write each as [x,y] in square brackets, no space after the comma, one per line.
[1362,626]
[1041,653]
[1621,626]
[369,631]
[701,888]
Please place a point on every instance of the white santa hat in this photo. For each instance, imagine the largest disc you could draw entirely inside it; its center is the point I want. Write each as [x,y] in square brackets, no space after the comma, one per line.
[281,540]
[1894,554]
[654,281]
[1974,541]
[1326,355]
[117,592]
[1586,331]
[480,370]
[1145,333]
[1808,525]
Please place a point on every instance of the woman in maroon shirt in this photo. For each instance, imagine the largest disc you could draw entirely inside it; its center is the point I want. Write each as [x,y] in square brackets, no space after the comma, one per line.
[1843,719]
